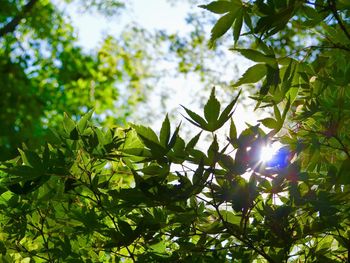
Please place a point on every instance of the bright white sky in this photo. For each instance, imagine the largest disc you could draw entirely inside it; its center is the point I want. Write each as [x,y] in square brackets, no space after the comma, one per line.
[154,14]
[150,14]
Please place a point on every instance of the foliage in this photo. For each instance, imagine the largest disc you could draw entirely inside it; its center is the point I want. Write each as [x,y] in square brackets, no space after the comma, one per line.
[44,72]
[129,194]
[109,7]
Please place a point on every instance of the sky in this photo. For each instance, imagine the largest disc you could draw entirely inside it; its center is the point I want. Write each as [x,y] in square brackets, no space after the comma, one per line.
[150,14]
[157,14]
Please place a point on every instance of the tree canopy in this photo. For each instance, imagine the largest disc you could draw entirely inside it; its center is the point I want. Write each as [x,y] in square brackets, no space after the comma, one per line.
[126,193]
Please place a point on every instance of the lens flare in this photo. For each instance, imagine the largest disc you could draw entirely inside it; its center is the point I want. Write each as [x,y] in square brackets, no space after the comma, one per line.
[268,152]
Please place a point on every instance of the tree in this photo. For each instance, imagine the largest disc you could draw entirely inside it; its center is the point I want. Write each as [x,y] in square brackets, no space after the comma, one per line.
[93,194]
[45,72]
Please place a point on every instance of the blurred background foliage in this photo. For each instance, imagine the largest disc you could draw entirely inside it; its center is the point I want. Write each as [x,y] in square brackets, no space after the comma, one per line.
[45,72]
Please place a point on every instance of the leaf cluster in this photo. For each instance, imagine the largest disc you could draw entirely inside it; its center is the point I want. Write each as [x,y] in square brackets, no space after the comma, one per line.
[129,194]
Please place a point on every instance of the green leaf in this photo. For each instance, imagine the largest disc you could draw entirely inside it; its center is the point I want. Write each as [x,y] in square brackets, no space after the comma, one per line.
[252,75]
[125,228]
[83,122]
[2,248]
[289,71]
[286,108]
[68,124]
[277,113]
[165,132]
[213,105]
[212,109]
[156,149]
[195,119]
[222,26]
[248,21]
[269,123]
[141,152]
[227,112]
[31,159]
[230,217]
[255,55]
[150,140]
[160,249]
[179,146]
[198,175]
[155,170]
[23,172]
[233,133]
[344,172]
[272,79]
[218,7]
[227,162]
[213,151]
[74,134]
[46,157]
[192,143]
[238,26]
[173,138]
[146,132]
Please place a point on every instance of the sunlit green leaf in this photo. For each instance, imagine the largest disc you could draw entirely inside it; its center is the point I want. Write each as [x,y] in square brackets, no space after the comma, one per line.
[82,123]
[222,26]
[165,132]
[218,7]
[255,55]
[227,112]
[238,26]
[68,124]
[233,132]
[195,118]
[212,109]
[252,75]
[192,143]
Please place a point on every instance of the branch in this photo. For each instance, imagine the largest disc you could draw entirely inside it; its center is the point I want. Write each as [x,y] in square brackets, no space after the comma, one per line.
[334,10]
[309,48]
[345,149]
[246,241]
[20,247]
[100,204]
[11,26]
[315,4]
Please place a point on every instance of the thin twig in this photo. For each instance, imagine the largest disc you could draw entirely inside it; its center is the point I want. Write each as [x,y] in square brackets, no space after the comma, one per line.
[22,247]
[333,7]
[246,242]
[345,149]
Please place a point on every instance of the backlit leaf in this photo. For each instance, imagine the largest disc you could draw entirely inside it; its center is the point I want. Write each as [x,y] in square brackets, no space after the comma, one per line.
[222,26]
[212,109]
[165,132]
[255,55]
[252,75]
[195,118]
[218,7]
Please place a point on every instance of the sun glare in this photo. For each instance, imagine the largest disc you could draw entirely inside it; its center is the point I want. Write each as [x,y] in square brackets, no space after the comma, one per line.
[268,151]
